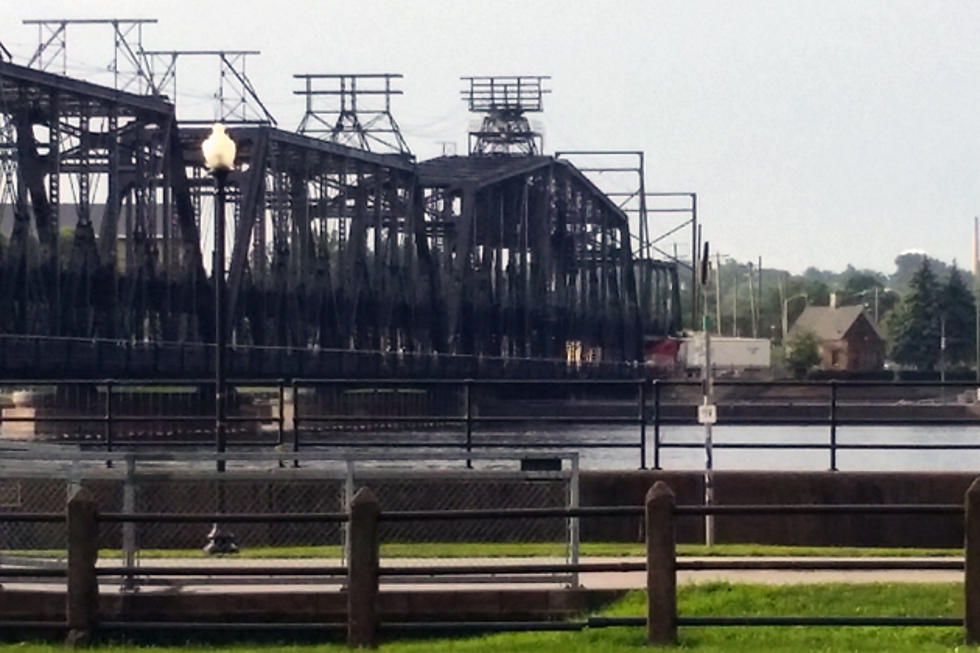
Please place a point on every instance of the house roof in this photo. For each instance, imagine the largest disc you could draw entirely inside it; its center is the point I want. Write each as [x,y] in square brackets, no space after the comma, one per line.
[831,323]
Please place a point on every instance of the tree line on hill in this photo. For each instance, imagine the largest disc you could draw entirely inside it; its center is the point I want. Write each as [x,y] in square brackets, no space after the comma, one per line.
[913,307]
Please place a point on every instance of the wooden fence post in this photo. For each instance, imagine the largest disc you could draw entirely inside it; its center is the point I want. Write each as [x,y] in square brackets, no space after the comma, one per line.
[362,569]
[971,552]
[82,605]
[661,573]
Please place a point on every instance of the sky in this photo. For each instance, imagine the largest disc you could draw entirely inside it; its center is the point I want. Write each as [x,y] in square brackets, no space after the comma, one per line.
[820,133]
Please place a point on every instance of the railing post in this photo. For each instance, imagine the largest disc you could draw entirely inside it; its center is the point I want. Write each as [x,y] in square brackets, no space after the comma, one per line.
[833,426]
[468,416]
[82,605]
[280,422]
[971,553]
[362,570]
[296,425]
[108,419]
[642,416]
[661,572]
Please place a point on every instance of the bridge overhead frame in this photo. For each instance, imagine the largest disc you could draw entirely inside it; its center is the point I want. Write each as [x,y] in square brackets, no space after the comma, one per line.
[322,251]
[116,156]
[534,258]
[332,247]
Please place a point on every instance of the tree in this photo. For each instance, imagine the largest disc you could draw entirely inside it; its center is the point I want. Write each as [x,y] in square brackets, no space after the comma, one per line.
[906,265]
[959,309]
[802,352]
[858,286]
[914,323]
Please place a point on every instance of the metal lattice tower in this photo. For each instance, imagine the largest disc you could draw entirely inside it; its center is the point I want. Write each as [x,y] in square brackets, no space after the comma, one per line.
[236,99]
[128,64]
[352,110]
[615,170]
[504,101]
[9,192]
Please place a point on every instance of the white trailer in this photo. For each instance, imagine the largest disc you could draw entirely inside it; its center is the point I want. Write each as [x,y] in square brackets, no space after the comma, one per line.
[728,355]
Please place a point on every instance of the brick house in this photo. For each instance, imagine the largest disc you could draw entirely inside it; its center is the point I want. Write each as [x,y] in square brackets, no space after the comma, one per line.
[849,338]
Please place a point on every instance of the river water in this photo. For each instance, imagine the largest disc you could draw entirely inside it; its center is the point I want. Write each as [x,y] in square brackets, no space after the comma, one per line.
[767,459]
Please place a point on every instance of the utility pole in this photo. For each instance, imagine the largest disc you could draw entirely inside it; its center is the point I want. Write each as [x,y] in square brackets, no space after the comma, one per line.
[942,356]
[759,302]
[707,412]
[735,301]
[718,293]
[752,306]
[976,295]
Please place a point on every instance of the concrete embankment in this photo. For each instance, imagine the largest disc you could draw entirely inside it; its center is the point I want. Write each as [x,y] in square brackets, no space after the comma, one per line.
[760,487]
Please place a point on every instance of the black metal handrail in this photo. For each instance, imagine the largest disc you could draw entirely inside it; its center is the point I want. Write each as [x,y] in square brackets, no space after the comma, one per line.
[643,405]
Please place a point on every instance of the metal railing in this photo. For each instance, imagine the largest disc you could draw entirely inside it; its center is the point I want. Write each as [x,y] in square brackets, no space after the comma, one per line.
[135,413]
[459,414]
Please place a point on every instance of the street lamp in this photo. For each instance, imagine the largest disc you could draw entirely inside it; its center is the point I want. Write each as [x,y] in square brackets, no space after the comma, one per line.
[876,290]
[219,157]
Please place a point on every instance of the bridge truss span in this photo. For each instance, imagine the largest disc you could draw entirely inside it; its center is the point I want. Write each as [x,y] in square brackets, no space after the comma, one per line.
[80,160]
[107,213]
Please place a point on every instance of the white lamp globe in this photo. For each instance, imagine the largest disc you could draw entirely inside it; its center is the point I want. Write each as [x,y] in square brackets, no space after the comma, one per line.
[219,150]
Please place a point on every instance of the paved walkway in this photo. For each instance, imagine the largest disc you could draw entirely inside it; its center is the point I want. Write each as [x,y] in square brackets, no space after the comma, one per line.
[629,580]
[591,580]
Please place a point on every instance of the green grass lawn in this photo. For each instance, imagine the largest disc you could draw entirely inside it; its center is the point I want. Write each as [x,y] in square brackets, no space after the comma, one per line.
[523,549]
[719,599]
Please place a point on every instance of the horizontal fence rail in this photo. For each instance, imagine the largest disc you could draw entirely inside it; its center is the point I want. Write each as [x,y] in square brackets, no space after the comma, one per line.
[362,577]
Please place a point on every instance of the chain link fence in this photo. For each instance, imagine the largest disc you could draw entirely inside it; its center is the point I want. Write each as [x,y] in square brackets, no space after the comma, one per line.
[286,483]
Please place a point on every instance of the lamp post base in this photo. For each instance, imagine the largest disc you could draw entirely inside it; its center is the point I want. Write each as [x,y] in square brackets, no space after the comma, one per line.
[220,541]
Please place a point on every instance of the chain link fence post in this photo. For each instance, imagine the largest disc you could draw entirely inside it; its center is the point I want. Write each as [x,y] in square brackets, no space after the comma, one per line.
[573,522]
[348,496]
[971,554]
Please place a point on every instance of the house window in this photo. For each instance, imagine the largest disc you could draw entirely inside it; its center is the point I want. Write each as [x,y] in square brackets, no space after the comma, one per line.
[834,357]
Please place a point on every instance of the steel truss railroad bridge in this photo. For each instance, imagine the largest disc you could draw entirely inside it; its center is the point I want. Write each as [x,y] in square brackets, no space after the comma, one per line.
[334,247]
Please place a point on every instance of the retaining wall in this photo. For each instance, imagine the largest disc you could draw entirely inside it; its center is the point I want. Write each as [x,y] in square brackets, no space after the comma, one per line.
[620,488]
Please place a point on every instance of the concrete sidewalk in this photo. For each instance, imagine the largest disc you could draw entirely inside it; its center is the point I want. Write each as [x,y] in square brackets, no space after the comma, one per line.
[592,580]
[611,580]
[632,580]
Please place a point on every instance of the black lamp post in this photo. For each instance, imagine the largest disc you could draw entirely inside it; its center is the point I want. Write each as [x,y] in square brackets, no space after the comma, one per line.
[219,157]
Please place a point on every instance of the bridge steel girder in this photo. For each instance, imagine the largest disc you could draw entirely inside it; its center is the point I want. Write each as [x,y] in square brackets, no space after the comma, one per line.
[340,221]
[111,151]
[333,247]
[535,259]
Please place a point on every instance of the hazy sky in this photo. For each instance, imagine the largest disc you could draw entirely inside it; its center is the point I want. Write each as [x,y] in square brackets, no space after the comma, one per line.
[815,133]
